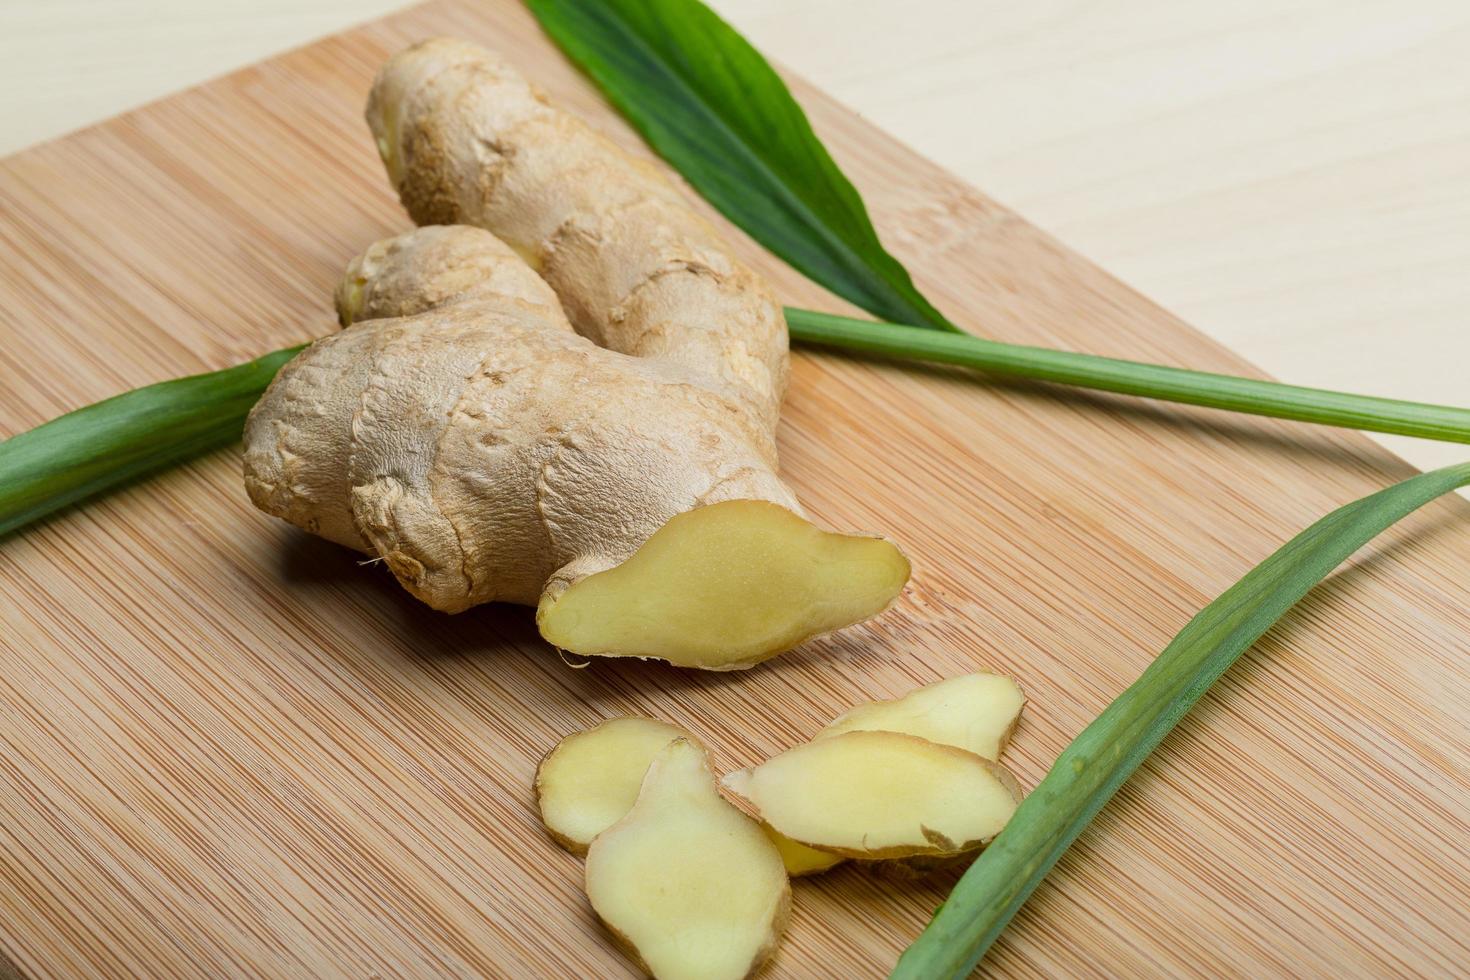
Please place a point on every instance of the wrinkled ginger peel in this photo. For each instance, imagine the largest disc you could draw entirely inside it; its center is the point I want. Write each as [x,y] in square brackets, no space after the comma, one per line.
[974,712]
[590,780]
[879,795]
[689,885]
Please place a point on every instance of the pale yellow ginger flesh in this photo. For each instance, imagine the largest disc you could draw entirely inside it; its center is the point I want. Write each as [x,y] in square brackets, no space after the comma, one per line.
[974,712]
[726,586]
[689,885]
[879,795]
[590,780]
[498,433]
[799,859]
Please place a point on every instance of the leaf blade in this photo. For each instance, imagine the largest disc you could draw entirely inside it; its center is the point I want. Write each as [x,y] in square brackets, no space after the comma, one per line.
[109,442]
[1252,396]
[711,105]
[1092,768]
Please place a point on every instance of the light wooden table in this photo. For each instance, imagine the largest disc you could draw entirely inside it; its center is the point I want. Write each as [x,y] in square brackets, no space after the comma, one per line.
[1292,176]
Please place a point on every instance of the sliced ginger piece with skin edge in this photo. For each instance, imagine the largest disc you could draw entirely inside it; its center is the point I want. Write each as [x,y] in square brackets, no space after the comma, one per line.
[689,885]
[725,586]
[590,780]
[974,712]
[875,795]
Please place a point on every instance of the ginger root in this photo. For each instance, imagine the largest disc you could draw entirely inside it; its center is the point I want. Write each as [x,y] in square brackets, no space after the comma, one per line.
[690,886]
[877,795]
[590,780]
[617,469]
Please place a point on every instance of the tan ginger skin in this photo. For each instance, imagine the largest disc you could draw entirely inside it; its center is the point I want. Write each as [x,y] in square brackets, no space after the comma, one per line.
[490,447]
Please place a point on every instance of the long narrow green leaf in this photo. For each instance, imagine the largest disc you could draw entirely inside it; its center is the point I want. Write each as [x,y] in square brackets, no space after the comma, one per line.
[102,445]
[1107,752]
[99,446]
[714,108]
[1250,395]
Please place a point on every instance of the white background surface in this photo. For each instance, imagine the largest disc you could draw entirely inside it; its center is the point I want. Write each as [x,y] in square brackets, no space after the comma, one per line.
[1291,176]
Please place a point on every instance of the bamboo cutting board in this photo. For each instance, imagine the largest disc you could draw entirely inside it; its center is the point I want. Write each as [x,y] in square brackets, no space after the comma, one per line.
[228,749]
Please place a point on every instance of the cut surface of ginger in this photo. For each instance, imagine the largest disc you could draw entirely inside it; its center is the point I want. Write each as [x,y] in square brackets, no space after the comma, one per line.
[877,795]
[974,712]
[591,779]
[692,887]
[726,586]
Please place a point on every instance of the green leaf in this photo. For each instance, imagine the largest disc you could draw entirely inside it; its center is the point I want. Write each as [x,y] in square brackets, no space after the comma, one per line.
[1250,395]
[1090,770]
[107,443]
[716,110]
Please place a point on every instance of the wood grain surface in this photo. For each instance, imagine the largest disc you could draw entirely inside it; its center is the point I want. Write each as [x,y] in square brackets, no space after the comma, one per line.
[226,748]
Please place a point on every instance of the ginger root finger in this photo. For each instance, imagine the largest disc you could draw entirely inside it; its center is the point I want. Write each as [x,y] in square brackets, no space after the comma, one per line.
[414,273]
[590,780]
[466,140]
[975,712]
[879,795]
[686,883]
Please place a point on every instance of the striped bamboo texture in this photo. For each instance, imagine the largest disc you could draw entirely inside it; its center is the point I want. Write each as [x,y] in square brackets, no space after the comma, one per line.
[227,748]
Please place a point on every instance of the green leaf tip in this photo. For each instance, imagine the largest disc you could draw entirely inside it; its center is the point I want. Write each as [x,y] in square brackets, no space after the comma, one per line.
[110,442]
[1091,769]
[714,108]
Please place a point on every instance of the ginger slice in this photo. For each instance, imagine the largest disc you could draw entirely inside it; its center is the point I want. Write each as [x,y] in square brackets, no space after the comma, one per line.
[689,885]
[590,780]
[725,586]
[879,795]
[975,712]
